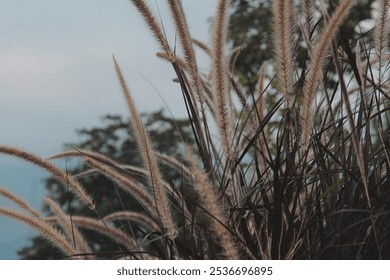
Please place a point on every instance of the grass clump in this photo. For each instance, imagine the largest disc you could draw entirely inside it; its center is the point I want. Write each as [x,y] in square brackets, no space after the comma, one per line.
[304,179]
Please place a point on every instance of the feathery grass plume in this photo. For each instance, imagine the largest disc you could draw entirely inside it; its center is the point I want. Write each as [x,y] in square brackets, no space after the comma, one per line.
[57,172]
[148,16]
[308,12]
[175,163]
[307,27]
[149,161]
[220,75]
[187,46]
[320,51]
[382,36]
[51,234]
[124,171]
[144,9]
[196,85]
[80,244]
[178,60]
[128,185]
[101,227]
[22,203]
[202,46]
[105,160]
[306,39]
[283,17]
[209,200]
[233,57]
[134,217]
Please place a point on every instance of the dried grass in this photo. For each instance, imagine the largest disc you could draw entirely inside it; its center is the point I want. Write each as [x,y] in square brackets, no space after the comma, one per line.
[291,180]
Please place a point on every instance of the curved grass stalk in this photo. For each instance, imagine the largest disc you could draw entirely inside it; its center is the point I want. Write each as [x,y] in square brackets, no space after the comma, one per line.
[113,233]
[128,185]
[71,231]
[149,161]
[382,37]
[56,238]
[319,53]
[209,200]
[57,172]
[150,19]
[283,13]
[187,46]
[117,171]
[220,77]
[19,201]
[132,216]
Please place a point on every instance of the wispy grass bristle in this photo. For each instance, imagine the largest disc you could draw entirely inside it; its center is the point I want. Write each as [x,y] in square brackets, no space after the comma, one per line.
[19,201]
[149,160]
[50,233]
[220,76]
[313,76]
[284,21]
[57,172]
[70,229]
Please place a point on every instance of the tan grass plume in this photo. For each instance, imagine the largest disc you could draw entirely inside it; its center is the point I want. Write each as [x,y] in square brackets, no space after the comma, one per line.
[56,238]
[149,160]
[320,51]
[187,46]
[62,176]
[100,226]
[134,217]
[220,75]
[70,229]
[210,201]
[283,14]
[154,26]
[381,38]
[19,201]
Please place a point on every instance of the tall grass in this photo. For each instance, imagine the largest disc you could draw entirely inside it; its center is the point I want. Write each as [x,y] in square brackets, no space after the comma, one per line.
[307,178]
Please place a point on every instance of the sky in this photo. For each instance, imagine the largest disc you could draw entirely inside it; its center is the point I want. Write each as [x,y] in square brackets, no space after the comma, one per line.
[57,76]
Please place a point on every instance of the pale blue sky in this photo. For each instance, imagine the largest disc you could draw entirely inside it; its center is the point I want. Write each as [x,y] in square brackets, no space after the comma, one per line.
[56,75]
